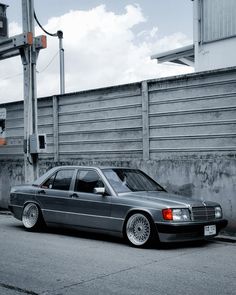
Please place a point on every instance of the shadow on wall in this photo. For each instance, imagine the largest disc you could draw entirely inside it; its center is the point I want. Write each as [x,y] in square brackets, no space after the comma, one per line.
[212,179]
[10,174]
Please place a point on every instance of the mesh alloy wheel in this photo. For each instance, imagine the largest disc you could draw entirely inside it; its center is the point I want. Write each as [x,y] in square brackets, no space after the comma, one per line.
[138,230]
[30,216]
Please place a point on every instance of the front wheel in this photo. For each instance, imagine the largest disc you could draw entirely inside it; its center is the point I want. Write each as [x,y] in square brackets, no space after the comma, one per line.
[139,230]
[31,217]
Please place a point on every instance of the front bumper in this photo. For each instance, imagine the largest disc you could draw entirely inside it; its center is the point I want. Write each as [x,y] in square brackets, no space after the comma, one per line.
[192,231]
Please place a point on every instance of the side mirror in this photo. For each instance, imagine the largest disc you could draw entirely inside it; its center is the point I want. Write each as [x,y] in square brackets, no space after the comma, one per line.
[99,190]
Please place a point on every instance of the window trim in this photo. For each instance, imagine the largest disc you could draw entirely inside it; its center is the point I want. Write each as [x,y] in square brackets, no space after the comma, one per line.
[54,174]
[101,176]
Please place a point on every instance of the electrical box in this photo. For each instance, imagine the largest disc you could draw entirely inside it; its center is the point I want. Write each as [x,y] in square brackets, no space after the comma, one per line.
[37,143]
[42,142]
[3,22]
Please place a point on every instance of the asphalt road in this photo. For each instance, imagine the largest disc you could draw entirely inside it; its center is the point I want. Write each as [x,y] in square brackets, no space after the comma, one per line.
[59,261]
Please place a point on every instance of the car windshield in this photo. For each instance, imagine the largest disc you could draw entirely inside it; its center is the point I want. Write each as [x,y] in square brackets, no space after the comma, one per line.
[130,180]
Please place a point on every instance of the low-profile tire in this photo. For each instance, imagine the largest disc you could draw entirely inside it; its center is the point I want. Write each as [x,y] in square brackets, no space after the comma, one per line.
[139,230]
[32,217]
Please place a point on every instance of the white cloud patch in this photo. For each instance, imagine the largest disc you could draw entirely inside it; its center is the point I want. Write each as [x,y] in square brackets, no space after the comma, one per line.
[101,49]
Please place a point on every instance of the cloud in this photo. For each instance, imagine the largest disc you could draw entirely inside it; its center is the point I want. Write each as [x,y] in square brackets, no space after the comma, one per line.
[101,49]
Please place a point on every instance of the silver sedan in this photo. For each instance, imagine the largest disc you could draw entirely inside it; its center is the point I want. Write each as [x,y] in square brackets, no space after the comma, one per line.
[118,201]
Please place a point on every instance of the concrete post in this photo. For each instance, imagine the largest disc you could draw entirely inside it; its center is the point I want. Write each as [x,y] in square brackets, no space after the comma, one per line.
[30,94]
[55,129]
[145,120]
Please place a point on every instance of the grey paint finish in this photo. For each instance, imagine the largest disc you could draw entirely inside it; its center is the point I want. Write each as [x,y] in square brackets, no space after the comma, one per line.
[191,125]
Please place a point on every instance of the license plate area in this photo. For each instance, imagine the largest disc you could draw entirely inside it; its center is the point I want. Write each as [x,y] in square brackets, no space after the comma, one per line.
[209,230]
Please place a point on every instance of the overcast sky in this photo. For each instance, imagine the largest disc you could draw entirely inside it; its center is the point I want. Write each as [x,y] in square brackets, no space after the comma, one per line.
[106,43]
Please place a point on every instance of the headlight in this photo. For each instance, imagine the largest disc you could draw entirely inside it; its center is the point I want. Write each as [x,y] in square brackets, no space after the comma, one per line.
[218,212]
[176,214]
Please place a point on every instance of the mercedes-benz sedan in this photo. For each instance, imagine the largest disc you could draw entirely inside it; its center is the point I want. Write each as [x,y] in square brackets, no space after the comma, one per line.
[119,201]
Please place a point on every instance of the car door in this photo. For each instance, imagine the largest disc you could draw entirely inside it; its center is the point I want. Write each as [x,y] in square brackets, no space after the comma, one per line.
[53,195]
[89,209]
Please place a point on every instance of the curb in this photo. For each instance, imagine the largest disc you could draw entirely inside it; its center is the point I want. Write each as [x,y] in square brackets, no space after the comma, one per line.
[5,212]
[225,238]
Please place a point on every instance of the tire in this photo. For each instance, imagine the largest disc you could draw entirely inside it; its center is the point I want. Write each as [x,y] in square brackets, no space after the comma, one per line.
[32,217]
[139,230]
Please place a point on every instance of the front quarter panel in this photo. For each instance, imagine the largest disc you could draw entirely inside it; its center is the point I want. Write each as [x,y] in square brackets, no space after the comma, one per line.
[123,207]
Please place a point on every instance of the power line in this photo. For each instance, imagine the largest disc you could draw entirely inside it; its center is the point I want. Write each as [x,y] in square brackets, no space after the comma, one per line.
[52,59]
[11,77]
[45,31]
[39,72]
[58,34]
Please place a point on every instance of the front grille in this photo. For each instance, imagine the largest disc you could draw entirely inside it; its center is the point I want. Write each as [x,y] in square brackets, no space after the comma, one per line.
[203,213]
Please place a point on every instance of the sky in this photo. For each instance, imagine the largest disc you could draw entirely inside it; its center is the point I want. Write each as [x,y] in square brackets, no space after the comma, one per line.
[106,43]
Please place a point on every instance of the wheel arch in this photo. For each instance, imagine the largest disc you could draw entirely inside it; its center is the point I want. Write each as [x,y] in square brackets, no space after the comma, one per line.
[33,202]
[146,212]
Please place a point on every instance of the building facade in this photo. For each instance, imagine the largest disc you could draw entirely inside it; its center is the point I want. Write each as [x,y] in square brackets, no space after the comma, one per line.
[214,37]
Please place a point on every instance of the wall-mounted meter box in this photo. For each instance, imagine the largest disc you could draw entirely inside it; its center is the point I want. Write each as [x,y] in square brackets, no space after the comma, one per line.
[38,143]
[3,21]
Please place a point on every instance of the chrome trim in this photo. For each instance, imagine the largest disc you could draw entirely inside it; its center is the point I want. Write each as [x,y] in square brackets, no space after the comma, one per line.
[83,214]
[23,193]
[16,205]
[74,199]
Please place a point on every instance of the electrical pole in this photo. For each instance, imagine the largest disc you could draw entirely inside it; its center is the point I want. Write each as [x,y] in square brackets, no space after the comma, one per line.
[29,58]
[27,46]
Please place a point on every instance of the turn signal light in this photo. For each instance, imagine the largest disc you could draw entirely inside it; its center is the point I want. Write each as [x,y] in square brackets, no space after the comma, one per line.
[167,214]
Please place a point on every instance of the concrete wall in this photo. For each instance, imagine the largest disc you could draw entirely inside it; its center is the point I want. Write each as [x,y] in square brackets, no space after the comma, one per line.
[180,130]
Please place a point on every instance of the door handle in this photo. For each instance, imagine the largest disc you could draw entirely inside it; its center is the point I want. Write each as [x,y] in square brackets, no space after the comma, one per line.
[74,196]
[42,192]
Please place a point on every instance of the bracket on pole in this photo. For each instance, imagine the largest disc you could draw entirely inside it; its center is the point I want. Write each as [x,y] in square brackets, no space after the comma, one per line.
[15,45]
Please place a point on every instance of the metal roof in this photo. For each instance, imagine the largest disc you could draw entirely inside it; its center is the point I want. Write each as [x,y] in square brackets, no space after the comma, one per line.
[183,56]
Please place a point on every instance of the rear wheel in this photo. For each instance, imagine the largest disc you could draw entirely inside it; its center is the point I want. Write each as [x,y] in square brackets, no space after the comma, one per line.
[31,217]
[139,230]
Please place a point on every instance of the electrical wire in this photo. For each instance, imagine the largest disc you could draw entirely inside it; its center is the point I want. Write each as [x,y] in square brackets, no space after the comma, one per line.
[11,77]
[52,59]
[45,31]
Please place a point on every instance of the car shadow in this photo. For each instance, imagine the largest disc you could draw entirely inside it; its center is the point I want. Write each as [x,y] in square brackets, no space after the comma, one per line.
[182,245]
[71,232]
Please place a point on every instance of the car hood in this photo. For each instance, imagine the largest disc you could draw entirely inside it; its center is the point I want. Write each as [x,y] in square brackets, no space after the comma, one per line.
[165,199]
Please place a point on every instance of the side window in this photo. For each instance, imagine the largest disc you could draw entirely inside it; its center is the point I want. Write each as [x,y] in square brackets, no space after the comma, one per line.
[48,183]
[87,180]
[62,180]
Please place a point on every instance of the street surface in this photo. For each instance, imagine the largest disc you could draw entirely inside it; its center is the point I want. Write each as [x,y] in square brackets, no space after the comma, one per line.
[59,262]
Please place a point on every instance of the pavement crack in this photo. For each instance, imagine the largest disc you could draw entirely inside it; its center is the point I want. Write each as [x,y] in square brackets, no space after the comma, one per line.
[19,290]
[99,277]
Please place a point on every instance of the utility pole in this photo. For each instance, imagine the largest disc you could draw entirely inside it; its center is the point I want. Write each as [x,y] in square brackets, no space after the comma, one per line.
[29,58]
[27,46]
